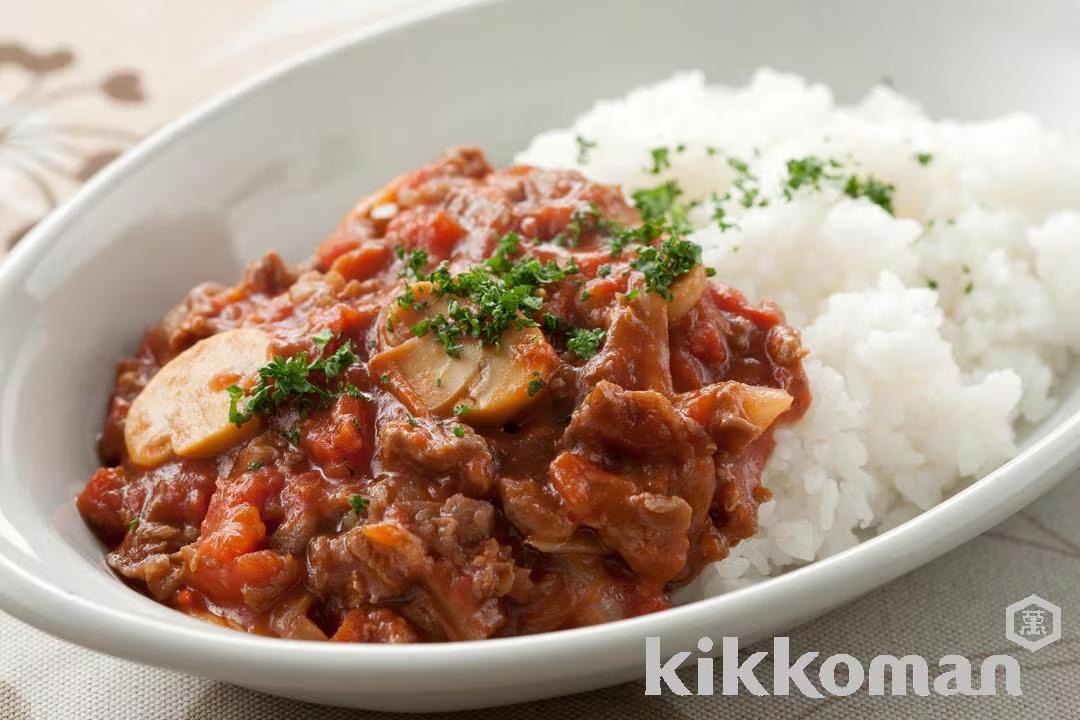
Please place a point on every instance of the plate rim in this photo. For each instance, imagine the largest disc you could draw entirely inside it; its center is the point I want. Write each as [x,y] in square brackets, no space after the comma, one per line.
[867,565]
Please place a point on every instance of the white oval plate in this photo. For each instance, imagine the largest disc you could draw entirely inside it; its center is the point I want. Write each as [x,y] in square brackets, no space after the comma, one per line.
[275,164]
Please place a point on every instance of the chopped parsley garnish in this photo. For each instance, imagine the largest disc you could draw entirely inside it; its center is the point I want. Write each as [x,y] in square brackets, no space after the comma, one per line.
[358,503]
[603,271]
[293,434]
[745,184]
[535,386]
[384,378]
[415,262]
[284,380]
[719,215]
[322,337]
[254,465]
[932,283]
[461,409]
[622,236]
[665,264]
[661,160]
[924,158]
[808,172]
[660,204]
[553,323]
[812,171]
[486,300]
[132,524]
[969,287]
[356,392]
[459,431]
[507,246]
[584,342]
[584,146]
[875,191]
[744,190]
[579,221]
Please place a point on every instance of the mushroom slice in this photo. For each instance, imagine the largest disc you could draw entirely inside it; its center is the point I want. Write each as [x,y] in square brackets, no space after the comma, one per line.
[511,376]
[183,410]
[423,376]
[422,304]
[493,382]
[685,292]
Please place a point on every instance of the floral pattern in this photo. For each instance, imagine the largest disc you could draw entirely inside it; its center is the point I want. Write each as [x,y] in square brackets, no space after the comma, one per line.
[45,152]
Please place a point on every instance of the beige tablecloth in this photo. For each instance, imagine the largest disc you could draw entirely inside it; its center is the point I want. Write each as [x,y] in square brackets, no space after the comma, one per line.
[80,82]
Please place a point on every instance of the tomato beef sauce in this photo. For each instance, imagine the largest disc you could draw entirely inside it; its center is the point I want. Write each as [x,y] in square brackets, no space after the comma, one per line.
[457,467]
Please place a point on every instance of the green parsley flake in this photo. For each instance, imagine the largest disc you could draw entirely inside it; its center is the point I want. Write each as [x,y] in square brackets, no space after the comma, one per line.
[553,323]
[415,262]
[134,523]
[486,300]
[254,465]
[584,147]
[535,386]
[285,380]
[461,409]
[661,160]
[584,342]
[875,191]
[924,158]
[353,391]
[663,265]
[657,203]
[808,172]
[358,503]
[459,431]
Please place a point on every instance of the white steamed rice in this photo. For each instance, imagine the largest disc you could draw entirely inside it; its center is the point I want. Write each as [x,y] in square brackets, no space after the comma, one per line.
[931,333]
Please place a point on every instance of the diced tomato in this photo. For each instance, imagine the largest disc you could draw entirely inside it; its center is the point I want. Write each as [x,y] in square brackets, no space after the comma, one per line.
[342,438]
[102,503]
[434,231]
[363,262]
[731,300]
[339,243]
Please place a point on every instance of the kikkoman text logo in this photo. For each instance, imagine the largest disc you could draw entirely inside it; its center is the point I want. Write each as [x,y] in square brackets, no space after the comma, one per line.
[1032,623]
[839,674]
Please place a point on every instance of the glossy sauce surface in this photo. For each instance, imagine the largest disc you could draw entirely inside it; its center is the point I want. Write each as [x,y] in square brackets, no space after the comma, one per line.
[611,482]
